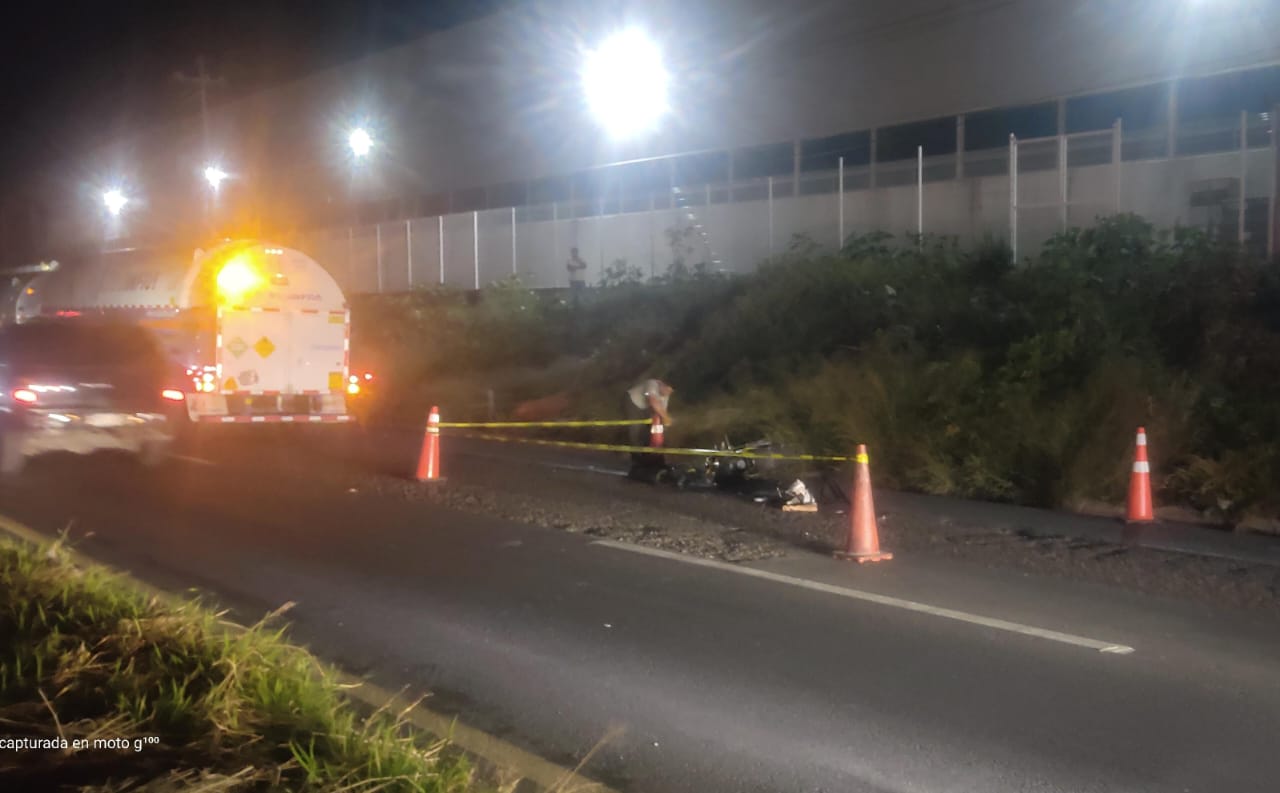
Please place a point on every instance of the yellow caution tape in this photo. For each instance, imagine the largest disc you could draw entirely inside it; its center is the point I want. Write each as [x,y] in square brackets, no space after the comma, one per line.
[609,447]
[503,424]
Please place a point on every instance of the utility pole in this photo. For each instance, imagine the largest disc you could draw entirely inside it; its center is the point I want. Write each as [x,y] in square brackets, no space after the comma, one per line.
[200,83]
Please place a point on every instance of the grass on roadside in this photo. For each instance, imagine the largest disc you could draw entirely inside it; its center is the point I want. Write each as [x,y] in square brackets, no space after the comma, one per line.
[84,657]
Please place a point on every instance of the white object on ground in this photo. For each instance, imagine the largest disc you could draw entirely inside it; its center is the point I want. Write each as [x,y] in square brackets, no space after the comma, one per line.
[799,494]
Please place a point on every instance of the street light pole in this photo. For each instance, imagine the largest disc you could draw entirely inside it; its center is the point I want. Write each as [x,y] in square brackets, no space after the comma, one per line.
[361,143]
[114,201]
[214,176]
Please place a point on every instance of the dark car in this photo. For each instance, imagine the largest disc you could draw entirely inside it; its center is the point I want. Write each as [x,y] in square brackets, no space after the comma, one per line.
[82,386]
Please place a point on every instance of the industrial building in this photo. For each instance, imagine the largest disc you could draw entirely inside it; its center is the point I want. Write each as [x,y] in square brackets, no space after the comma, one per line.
[968,118]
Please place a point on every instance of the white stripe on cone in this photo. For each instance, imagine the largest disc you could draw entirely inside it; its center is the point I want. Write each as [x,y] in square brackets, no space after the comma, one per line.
[1141,467]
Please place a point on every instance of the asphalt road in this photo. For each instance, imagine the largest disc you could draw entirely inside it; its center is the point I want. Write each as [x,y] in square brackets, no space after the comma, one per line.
[716,679]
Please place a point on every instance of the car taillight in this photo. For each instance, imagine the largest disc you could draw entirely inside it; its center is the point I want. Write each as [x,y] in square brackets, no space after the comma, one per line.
[25,395]
[173,395]
[353,388]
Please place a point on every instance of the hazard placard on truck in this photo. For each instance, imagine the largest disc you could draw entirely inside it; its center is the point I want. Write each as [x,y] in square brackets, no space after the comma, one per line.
[260,332]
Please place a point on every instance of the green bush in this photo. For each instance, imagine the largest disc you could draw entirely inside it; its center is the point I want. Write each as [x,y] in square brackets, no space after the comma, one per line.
[968,374]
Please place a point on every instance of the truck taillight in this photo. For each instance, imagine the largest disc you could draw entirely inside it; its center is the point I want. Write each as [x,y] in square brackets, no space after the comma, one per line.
[173,395]
[25,396]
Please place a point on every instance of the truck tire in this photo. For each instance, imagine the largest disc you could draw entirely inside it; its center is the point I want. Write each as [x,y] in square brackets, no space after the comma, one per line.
[12,460]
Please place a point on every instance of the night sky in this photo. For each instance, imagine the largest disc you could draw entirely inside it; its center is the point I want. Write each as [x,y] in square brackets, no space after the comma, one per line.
[84,66]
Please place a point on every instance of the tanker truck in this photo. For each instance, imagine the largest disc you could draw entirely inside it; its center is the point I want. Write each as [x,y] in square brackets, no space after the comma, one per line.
[256,332]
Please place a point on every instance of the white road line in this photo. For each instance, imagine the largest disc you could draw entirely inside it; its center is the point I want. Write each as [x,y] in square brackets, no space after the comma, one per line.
[883,600]
[197,460]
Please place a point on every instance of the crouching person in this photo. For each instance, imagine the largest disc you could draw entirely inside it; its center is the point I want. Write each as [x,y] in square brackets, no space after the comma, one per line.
[646,400]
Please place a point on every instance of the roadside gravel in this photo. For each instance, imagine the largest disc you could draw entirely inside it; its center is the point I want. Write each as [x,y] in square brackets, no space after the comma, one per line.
[540,487]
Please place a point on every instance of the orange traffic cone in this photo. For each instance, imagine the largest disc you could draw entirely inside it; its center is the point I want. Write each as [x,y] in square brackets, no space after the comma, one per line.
[863,544]
[656,433]
[429,459]
[1140,508]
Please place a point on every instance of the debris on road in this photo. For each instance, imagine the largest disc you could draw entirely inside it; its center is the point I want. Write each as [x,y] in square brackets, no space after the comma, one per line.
[799,499]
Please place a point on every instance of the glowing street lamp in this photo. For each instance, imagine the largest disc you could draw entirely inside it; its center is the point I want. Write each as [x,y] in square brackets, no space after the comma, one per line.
[214,176]
[360,141]
[625,83]
[114,201]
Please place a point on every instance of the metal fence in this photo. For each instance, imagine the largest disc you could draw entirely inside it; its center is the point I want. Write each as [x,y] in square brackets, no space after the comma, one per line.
[1023,195]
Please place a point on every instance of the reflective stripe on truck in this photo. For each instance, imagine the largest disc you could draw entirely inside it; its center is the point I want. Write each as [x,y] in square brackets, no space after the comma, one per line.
[304,418]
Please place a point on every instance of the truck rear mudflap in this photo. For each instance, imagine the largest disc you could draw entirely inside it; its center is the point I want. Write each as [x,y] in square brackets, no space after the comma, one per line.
[312,418]
[269,408]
